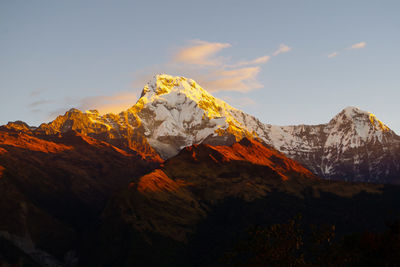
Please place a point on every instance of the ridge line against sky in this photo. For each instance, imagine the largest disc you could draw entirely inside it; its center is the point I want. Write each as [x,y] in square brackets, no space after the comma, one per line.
[286,62]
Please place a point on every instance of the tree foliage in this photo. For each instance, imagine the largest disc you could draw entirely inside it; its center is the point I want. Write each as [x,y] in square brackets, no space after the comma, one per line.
[295,244]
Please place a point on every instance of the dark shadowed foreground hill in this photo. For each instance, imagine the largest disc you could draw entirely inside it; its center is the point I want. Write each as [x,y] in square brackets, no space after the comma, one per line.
[201,203]
[53,189]
[71,200]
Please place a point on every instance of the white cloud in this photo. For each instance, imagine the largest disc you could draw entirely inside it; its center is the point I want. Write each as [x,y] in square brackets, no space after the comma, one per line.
[114,103]
[41,102]
[109,104]
[352,47]
[240,80]
[200,61]
[240,101]
[282,49]
[257,61]
[358,45]
[200,53]
[36,92]
[334,54]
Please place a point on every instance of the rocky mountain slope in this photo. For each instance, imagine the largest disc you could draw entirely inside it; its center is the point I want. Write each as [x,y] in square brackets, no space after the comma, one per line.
[161,211]
[353,146]
[203,174]
[175,112]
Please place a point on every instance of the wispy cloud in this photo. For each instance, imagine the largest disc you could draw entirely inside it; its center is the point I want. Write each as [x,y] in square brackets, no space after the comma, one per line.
[202,61]
[358,45]
[109,104]
[241,102]
[198,59]
[334,54]
[240,80]
[36,110]
[55,112]
[36,92]
[105,104]
[199,52]
[257,61]
[38,103]
[282,49]
[352,47]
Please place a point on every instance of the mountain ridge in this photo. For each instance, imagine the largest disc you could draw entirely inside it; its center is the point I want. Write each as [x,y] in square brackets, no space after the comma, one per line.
[175,112]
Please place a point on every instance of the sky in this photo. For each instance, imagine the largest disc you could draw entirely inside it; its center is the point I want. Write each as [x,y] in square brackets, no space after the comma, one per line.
[285,62]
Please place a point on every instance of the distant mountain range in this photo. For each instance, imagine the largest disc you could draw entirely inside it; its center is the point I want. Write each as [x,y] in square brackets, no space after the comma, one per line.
[175,112]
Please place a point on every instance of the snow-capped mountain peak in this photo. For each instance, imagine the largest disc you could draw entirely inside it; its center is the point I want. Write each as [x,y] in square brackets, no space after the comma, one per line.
[359,124]
[357,115]
[350,111]
[173,90]
[176,112]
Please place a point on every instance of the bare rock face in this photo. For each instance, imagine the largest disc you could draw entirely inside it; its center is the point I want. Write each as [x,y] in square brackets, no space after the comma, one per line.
[120,130]
[353,146]
[18,126]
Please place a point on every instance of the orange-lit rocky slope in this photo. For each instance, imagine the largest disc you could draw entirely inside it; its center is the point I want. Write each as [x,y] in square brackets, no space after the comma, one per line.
[172,200]
[248,150]
[207,174]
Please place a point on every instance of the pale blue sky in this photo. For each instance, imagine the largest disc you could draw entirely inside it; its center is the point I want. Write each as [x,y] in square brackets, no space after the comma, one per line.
[55,55]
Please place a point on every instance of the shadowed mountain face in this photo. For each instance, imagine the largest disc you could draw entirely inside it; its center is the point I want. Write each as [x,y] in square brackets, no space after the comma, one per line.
[209,174]
[54,187]
[200,203]
[167,205]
